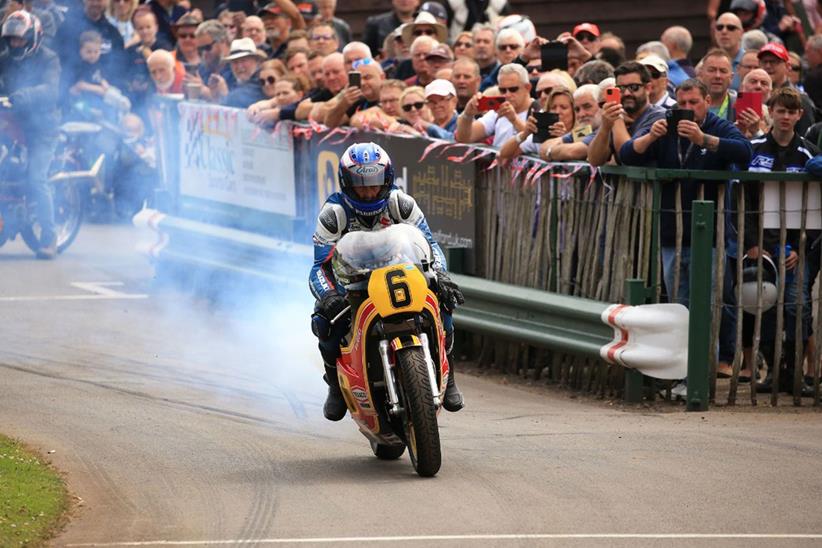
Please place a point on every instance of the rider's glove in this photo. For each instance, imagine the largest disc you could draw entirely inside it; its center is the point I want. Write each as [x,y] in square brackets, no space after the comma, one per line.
[327,309]
[448,292]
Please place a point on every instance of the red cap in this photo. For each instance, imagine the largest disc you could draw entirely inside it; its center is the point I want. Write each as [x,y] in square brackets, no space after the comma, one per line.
[777,50]
[586,27]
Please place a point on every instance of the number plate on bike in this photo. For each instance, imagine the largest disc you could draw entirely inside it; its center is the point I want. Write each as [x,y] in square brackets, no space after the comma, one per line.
[397,288]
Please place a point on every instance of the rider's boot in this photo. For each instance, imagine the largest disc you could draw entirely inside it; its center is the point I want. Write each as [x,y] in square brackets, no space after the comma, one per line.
[453,395]
[334,408]
[48,246]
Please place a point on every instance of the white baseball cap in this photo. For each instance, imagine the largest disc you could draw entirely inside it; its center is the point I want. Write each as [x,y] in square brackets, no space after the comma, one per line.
[440,87]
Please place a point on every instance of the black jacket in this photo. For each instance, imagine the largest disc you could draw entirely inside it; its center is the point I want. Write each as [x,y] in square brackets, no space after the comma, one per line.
[33,86]
[377,27]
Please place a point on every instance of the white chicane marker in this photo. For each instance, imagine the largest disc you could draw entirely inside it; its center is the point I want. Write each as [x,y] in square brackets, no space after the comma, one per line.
[95,291]
[451,538]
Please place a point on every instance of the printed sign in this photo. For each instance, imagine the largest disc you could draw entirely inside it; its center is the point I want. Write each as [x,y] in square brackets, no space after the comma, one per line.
[226,159]
[793,205]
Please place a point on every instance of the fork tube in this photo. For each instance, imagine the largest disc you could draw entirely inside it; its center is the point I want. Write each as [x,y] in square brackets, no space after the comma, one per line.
[393,399]
[429,362]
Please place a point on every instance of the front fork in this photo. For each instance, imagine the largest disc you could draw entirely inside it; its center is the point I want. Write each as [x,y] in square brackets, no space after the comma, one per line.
[390,380]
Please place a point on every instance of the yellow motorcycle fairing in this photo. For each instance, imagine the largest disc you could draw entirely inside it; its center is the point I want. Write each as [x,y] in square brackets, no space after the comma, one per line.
[397,289]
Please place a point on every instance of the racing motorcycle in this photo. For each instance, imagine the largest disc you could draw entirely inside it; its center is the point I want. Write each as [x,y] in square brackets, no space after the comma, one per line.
[65,175]
[393,366]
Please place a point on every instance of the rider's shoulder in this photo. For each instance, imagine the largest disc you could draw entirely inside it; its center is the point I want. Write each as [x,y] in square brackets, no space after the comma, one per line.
[331,221]
[403,207]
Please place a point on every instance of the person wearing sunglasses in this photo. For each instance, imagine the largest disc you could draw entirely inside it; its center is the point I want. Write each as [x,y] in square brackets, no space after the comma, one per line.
[508,119]
[658,70]
[464,45]
[510,44]
[587,34]
[211,38]
[627,118]
[728,33]
[775,60]
[186,51]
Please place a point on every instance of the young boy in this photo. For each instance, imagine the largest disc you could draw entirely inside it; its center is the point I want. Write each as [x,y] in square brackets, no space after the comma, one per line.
[86,80]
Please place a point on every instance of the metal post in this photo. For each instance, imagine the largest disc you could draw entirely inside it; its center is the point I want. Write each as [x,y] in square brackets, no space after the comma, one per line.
[635,294]
[699,325]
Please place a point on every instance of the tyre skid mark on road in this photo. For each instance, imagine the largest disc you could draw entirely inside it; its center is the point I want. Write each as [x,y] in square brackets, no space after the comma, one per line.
[191,380]
[243,418]
[453,538]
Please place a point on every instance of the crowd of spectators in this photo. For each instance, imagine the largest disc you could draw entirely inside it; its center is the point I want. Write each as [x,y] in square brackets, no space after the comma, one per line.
[450,70]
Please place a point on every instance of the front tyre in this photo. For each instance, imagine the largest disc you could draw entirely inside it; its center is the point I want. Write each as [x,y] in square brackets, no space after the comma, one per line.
[421,430]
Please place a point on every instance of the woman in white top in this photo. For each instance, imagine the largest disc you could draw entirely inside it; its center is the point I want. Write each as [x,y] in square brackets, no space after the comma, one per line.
[119,14]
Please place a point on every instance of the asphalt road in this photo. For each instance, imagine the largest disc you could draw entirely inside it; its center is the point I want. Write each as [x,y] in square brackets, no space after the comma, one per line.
[180,423]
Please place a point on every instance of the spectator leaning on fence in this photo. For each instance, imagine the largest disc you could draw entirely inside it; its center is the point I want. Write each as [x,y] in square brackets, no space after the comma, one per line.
[441,98]
[782,149]
[624,120]
[503,123]
[355,51]
[355,98]
[573,146]
[245,60]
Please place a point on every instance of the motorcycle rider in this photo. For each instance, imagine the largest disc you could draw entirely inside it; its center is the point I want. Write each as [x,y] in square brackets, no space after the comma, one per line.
[30,78]
[368,200]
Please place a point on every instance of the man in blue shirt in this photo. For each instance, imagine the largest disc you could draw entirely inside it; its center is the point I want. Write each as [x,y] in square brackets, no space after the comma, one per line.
[706,143]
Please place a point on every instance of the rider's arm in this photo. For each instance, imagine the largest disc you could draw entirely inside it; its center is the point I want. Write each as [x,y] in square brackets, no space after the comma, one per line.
[45,94]
[331,222]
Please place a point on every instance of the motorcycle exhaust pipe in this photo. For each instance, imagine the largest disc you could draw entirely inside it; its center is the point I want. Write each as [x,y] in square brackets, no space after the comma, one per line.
[429,362]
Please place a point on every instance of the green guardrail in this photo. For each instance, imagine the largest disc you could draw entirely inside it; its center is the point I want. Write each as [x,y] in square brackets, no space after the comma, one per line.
[540,318]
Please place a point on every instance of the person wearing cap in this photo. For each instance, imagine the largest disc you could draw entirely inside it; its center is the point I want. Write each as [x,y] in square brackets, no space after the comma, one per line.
[439,57]
[441,98]
[326,9]
[279,18]
[658,69]
[437,10]
[245,59]
[186,50]
[508,119]
[588,35]
[679,42]
[356,98]
[377,27]
[774,59]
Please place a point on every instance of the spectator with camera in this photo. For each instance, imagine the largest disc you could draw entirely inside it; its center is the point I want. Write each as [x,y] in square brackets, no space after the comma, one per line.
[502,119]
[626,112]
[359,95]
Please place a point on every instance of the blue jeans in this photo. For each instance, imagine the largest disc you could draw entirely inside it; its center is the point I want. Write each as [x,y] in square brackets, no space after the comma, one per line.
[41,151]
[727,324]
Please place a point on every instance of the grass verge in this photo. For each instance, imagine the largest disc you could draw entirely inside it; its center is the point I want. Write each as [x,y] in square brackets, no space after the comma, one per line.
[33,497]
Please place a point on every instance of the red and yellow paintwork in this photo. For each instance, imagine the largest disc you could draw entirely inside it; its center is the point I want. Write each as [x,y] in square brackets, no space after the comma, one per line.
[352,368]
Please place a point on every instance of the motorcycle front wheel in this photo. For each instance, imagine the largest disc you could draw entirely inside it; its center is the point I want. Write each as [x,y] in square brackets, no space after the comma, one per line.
[421,429]
[69,208]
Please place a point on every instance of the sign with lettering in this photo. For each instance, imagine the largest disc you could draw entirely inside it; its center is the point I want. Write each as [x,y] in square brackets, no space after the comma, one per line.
[226,159]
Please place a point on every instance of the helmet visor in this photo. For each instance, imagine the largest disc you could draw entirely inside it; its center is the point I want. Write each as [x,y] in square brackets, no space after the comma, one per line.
[367,175]
[14,27]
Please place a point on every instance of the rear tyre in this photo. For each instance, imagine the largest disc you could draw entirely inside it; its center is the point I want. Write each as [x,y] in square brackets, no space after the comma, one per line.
[421,429]
[387,452]
[69,208]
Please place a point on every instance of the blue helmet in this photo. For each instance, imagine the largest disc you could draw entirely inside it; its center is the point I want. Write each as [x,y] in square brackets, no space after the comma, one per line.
[366,165]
